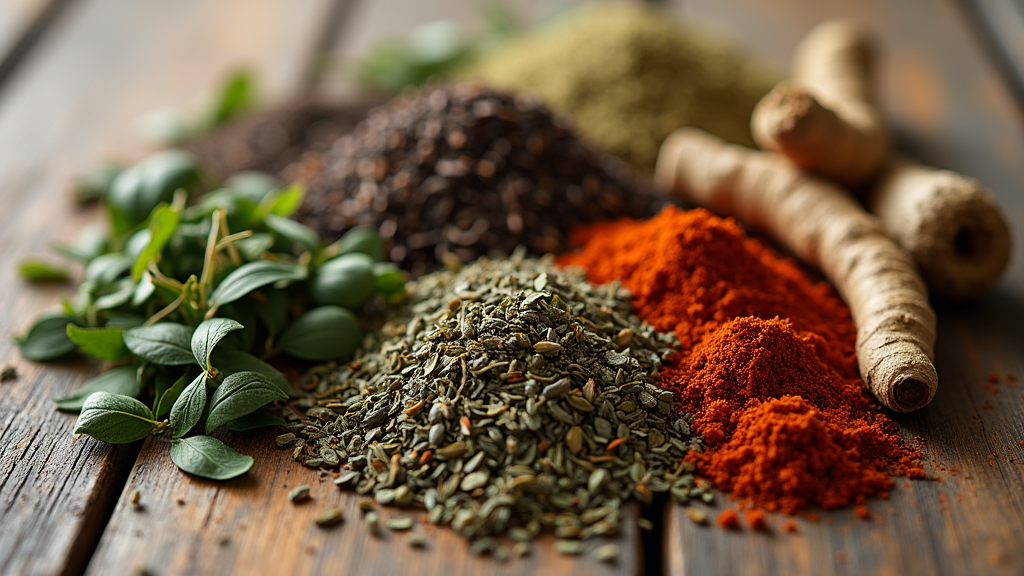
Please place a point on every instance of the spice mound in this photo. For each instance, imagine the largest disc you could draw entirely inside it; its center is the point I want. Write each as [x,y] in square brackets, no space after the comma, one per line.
[784,430]
[507,398]
[629,76]
[454,172]
[690,271]
[766,363]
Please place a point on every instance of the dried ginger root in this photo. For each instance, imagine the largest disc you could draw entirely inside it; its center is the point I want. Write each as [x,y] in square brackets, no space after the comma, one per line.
[825,119]
[824,226]
[952,226]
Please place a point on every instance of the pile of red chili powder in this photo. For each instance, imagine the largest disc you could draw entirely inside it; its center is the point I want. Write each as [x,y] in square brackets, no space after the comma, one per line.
[766,366]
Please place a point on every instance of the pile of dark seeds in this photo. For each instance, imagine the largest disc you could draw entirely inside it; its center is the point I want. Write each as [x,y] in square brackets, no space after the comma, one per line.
[509,398]
[458,171]
[271,140]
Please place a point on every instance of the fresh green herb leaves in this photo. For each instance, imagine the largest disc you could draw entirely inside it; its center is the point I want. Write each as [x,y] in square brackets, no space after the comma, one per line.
[121,380]
[103,343]
[206,336]
[47,339]
[209,458]
[162,224]
[240,394]
[36,270]
[253,275]
[324,333]
[189,407]
[165,344]
[115,419]
[220,286]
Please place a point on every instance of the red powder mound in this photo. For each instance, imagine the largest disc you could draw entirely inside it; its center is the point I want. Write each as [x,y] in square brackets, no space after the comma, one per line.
[767,362]
[784,430]
[690,271]
[728,519]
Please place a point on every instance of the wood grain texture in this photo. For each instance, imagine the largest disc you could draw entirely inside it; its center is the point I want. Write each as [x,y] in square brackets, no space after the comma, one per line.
[103,63]
[248,526]
[949,109]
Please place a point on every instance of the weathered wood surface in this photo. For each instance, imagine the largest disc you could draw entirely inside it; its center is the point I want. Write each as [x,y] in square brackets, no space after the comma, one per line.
[57,118]
[22,24]
[89,78]
[248,526]
[951,109]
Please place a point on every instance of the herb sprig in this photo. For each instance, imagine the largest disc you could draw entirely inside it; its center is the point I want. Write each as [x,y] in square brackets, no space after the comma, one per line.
[187,302]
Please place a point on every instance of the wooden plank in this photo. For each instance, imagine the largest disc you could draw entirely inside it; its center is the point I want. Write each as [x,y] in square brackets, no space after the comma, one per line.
[22,23]
[950,109]
[248,527]
[105,62]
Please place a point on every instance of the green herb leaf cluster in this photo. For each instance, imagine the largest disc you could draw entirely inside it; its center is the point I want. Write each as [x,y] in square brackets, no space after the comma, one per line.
[189,301]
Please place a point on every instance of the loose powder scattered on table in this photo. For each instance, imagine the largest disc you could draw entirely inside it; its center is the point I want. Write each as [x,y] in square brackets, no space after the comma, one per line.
[508,398]
[455,172]
[628,76]
[766,365]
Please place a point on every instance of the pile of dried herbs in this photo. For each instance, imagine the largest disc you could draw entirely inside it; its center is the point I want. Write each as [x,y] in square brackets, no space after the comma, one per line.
[628,75]
[508,398]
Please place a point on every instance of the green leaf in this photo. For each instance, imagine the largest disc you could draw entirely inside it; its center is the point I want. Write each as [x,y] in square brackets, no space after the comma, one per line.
[165,343]
[253,247]
[189,407]
[274,312]
[143,290]
[103,343]
[207,335]
[209,458]
[232,361]
[114,295]
[162,224]
[47,339]
[324,333]
[293,231]
[35,270]
[165,398]
[121,380]
[253,275]
[138,190]
[106,268]
[284,202]
[253,184]
[241,393]
[388,279]
[261,418]
[363,240]
[237,95]
[114,418]
[345,281]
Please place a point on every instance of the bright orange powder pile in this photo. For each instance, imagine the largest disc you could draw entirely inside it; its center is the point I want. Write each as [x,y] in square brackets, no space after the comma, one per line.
[766,364]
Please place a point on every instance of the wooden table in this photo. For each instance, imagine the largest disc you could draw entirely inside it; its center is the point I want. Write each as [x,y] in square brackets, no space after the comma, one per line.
[76,74]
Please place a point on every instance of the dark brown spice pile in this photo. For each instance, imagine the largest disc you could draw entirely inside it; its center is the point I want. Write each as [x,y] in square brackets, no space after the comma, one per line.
[271,140]
[461,170]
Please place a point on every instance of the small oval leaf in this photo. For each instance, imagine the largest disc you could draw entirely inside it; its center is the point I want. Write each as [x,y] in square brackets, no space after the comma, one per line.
[166,343]
[121,380]
[253,275]
[207,335]
[47,339]
[103,343]
[240,394]
[114,418]
[209,458]
[324,333]
[188,409]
